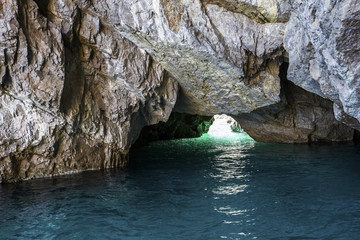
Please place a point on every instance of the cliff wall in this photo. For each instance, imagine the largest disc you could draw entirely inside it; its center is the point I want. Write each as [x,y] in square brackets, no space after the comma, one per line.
[79,79]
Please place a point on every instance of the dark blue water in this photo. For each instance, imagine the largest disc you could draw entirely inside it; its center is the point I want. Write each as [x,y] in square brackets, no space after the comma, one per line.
[202,188]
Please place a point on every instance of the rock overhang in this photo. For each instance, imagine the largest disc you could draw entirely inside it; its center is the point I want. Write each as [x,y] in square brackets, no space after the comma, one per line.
[89,75]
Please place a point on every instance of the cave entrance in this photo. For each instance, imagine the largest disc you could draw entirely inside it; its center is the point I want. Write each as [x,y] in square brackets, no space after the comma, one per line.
[181,125]
[224,126]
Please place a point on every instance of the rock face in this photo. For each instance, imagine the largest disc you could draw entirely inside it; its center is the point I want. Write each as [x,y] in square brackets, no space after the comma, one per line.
[223,60]
[299,117]
[80,79]
[69,100]
[323,41]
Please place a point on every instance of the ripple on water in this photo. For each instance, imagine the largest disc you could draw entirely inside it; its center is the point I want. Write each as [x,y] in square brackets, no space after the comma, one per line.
[205,188]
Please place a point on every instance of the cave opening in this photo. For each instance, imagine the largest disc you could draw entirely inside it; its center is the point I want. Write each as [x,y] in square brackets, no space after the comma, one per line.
[224,126]
[182,125]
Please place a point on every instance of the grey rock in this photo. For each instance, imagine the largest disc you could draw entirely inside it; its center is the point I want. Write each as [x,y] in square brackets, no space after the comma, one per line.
[300,117]
[74,96]
[323,41]
[263,11]
[29,100]
[224,61]
[80,79]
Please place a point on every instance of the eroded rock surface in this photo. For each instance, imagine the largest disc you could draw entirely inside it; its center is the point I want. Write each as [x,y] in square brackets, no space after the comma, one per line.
[73,97]
[323,41]
[223,60]
[80,79]
[299,117]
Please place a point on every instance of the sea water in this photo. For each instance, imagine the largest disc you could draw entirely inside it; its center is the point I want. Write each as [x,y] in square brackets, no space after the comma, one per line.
[227,187]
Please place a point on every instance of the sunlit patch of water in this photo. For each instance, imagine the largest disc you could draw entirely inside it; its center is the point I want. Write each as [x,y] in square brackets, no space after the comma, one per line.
[232,211]
[230,190]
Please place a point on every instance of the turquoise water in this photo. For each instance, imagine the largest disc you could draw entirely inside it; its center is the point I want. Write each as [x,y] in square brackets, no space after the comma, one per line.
[205,188]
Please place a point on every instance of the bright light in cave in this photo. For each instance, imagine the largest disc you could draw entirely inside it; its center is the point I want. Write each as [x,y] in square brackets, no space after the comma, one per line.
[222,127]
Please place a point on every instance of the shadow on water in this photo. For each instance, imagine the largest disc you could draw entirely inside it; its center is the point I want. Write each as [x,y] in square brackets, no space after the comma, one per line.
[204,188]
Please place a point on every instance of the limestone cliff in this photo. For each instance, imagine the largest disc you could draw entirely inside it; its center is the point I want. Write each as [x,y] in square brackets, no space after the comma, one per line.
[80,79]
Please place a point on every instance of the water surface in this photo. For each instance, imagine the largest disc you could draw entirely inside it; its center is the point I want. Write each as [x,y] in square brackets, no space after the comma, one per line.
[205,188]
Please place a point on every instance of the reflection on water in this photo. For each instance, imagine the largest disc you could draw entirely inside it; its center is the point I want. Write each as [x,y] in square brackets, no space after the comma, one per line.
[205,188]
[230,190]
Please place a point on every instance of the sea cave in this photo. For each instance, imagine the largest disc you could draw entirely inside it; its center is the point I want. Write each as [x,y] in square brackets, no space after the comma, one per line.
[178,119]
